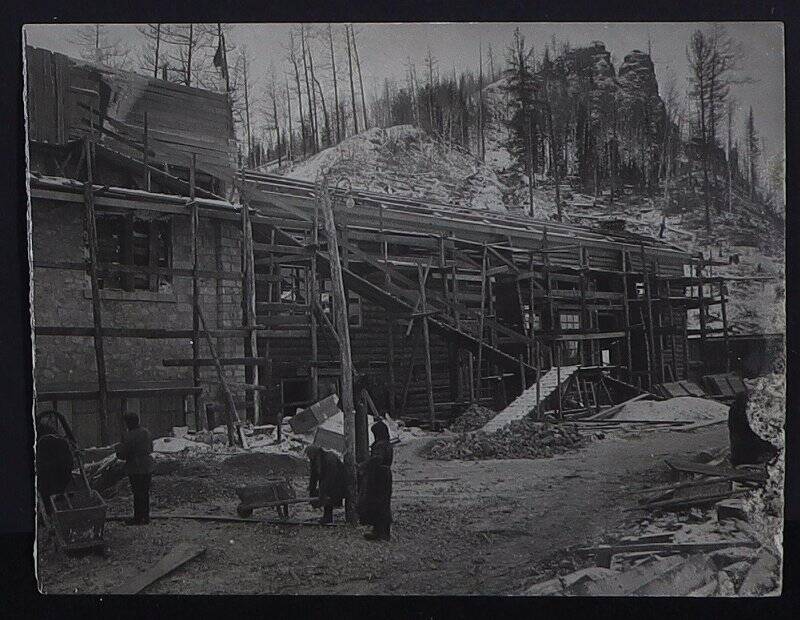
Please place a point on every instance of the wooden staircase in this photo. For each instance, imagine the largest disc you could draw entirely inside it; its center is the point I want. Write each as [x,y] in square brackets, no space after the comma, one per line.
[526,402]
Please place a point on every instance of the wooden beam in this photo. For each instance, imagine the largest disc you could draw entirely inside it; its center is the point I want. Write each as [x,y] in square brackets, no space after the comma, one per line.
[233,416]
[426,341]
[178,556]
[97,313]
[340,315]
[249,291]
[223,361]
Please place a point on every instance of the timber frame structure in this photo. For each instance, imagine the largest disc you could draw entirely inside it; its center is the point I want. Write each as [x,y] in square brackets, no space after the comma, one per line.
[451,306]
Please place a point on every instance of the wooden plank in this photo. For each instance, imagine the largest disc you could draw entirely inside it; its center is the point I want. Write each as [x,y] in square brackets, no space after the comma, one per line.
[178,556]
[709,470]
[281,249]
[137,332]
[71,395]
[225,361]
[607,413]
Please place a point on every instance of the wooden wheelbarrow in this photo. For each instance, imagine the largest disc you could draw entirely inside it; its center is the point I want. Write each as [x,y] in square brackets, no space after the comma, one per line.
[275,493]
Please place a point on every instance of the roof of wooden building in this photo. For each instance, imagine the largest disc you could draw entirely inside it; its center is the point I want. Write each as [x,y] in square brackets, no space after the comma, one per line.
[375,211]
[68,98]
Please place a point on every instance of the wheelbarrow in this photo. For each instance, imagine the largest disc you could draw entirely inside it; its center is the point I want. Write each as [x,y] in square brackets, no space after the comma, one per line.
[275,493]
[76,516]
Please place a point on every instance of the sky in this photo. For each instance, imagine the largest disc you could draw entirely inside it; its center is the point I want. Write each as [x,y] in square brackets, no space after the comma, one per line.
[384,48]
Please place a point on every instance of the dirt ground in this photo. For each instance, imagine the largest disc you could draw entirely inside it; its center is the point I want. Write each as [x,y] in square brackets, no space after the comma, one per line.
[490,532]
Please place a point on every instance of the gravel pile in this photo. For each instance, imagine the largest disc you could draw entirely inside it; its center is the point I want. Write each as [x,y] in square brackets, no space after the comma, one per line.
[475,417]
[522,439]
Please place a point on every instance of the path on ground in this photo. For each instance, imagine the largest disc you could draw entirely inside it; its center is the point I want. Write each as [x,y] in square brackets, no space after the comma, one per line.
[488,532]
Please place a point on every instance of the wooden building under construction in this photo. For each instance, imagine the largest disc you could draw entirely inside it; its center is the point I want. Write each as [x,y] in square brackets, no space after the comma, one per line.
[169,282]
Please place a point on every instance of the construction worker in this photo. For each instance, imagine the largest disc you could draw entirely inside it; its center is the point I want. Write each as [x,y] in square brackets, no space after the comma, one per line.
[375,485]
[747,448]
[327,482]
[135,449]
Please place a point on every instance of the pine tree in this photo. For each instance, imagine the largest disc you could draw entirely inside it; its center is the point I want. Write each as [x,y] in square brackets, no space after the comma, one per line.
[753,152]
[520,86]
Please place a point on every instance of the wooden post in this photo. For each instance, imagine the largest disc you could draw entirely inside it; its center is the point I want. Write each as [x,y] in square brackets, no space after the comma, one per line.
[340,316]
[271,298]
[538,383]
[725,326]
[421,274]
[146,145]
[97,312]
[558,376]
[702,306]
[457,316]
[649,299]
[233,416]
[480,324]
[584,320]
[315,296]
[249,282]
[195,232]
[673,341]
[627,314]
[389,321]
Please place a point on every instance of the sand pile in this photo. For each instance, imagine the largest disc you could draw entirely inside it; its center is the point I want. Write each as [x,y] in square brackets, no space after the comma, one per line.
[681,408]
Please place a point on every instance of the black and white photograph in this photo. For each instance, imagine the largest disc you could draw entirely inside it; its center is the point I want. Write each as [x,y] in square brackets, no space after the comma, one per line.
[398,309]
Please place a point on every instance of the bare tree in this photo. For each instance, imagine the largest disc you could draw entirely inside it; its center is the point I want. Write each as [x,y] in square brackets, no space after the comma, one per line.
[98,45]
[352,88]
[700,55]
[335,86]
[149,56]
[430,61]
[753,152]
[360,80]
[491,63]
[292,57]
[310,94]
[481,141]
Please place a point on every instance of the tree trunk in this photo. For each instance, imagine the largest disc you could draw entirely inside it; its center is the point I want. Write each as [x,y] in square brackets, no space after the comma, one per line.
[324,110]
[352,87]
[293,60]
[360,81]
[335,86]
[312,111]
[289,112]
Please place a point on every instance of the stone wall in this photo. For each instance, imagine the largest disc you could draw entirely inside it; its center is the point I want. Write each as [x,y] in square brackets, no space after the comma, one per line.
[62,297]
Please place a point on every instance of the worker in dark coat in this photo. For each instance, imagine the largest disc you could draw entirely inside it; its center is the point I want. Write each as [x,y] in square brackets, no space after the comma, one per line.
[746,446]
[327,482]
[375,485]
[136,449]
[53,462]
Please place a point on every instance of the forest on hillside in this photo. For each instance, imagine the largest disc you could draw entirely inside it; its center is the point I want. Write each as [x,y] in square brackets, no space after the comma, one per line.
[566,114]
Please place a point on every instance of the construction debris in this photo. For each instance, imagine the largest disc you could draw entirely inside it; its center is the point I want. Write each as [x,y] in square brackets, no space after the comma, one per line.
[521,439]
[472,419]
[306,420]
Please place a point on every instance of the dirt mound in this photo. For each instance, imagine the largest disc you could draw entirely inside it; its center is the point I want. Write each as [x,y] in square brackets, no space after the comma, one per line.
[263,463]
[683,408]
[475,417]
[169,491]
[522,439]
[405,161]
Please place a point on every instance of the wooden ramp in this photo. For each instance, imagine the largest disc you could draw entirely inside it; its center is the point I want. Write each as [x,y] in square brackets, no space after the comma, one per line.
[526,401]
